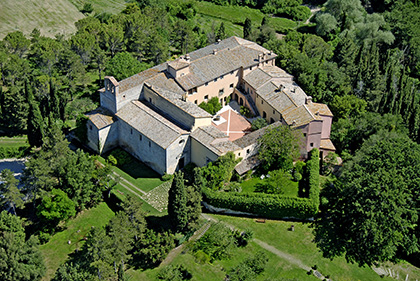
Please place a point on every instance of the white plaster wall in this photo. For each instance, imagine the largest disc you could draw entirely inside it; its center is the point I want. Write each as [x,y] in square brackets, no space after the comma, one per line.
[154,156]
[178,149]
[199,154]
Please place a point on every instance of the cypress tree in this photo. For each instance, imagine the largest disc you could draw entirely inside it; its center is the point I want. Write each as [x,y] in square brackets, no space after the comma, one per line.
[177,203]
[54,102]
[247,28]
[35,125]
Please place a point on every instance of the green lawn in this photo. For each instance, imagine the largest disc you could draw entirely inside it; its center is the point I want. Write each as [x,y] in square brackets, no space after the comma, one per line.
[250,185]
[121,193]
[300,245]
[14,141]
[236,15]
[275,233]
[137,173]
[56,251]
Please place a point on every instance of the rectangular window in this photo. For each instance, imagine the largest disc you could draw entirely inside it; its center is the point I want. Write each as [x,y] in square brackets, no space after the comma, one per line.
[250,68]
[131,130]
[140,137]
[262,101]
[221,77]
[231,86]
[221,91]
[150,144]
[91,127]
[274,112]
[304,134]
[196,102]
[311,144]
[206,84]
[215,79]
[206,97]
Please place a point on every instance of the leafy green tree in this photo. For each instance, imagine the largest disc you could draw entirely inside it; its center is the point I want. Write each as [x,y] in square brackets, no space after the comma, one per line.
[99,252]
[55,207]
[9,192]
[20,260]
[347,106]
[120,231]
[137,217]
[326,23]
[279,146]
[123,65]
[16,43]
[153,248]
[212,106]
[258,123]
[372,212]
[72,272]
[221,171]
[177,203]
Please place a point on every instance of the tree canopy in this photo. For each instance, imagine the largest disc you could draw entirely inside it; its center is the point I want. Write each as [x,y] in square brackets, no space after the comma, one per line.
[372,212]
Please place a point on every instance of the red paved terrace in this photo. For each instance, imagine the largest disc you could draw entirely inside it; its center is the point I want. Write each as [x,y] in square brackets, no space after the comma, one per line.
[232,124]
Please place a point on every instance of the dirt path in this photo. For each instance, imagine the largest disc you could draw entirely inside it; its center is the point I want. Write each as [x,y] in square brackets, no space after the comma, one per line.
[175,252]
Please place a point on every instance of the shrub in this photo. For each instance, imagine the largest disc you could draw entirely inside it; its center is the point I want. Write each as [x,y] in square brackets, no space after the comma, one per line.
[167,177]
[312,168]
[212,106]
[112,160]
[245,111]
[174,273]
[297,176]
[44,237]
[14,151]
[122,156]
[201,257]
[258,124]
[265,205]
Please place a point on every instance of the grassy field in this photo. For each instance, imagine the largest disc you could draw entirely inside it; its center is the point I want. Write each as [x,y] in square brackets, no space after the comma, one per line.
[250,186]
[56,251]
[14,141]
[234,17]
[50,16]
[275,233]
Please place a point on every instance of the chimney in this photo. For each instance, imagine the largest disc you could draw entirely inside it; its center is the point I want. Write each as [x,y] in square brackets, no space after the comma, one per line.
[294,123]
[218,41]
[187,58]
[308,100]
[260,57]
[214,51]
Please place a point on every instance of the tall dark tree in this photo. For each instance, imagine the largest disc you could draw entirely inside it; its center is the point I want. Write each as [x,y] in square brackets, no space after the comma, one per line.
[177,203]
[35,126]
[20,260]
[247,28]
[221,33]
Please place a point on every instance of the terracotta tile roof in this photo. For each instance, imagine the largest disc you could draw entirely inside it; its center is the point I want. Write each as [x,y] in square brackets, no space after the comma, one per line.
[101,117]
[149,123]
[214,139]
[319,107]
[327,144]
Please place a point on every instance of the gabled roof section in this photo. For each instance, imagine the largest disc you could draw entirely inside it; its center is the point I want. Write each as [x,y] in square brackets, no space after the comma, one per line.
[101,117]
[219,59]
[327,144]
[320,108]
[214,139]
[149,123]
[253,137]
[177,99]
[299,116]
[258,77]
[137,79]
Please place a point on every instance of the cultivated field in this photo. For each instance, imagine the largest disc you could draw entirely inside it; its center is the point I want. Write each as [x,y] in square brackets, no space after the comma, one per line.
[51,17]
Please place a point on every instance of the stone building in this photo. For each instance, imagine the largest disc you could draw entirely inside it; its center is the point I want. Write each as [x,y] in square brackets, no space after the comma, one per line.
[154,114]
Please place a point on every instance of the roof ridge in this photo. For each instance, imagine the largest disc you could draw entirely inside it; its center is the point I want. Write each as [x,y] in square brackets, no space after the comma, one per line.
[307,109]
[290,98]
[161,119]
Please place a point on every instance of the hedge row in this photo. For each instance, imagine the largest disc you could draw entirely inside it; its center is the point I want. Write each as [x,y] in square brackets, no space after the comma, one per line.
[266,205]
[14,151]
[312,168]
